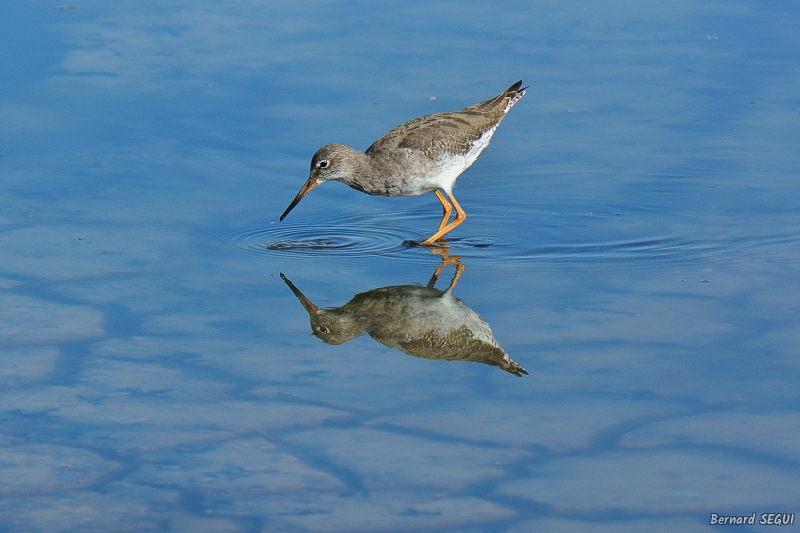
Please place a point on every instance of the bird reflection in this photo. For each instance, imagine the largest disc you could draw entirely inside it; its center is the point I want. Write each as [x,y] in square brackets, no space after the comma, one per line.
[420,321]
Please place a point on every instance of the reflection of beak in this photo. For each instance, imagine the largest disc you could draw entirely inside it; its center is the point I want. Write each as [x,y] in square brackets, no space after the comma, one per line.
[310,184]
[309,307]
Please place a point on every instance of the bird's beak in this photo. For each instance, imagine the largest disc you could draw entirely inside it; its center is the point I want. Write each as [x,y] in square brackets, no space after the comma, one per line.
[309,307]
[310,184]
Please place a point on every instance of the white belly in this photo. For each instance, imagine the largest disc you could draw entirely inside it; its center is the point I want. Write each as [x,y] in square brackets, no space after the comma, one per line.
[448,167]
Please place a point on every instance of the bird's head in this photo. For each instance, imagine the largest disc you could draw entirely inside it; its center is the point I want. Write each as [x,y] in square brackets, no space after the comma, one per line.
[332,326]
[331,162]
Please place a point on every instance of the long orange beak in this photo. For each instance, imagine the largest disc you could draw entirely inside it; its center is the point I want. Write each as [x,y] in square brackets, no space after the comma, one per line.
[309,307]
[310,184]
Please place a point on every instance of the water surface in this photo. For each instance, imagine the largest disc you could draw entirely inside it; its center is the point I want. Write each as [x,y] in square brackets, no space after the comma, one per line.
[632,243]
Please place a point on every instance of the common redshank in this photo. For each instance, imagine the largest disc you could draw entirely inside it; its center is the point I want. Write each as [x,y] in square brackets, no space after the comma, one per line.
[422,155]
[420,321]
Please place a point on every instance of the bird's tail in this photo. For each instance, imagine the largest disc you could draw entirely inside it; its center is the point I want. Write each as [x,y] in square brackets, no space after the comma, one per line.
[511,366]
[513,94]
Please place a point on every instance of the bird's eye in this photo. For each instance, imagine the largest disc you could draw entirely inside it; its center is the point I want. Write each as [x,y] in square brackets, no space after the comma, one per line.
[323,164]
[323,329]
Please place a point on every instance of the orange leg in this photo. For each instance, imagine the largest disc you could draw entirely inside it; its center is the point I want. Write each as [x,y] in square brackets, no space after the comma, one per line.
[456,276]
[461,216]
[447,259]
[446,207]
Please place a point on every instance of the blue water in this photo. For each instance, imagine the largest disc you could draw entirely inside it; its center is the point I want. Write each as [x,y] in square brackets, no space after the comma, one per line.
[632,242]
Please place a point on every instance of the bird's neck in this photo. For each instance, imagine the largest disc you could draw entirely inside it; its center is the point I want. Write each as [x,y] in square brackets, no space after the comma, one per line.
[361,171]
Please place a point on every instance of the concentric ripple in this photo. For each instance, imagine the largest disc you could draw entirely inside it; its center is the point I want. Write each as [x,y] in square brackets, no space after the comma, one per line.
[359,236]
[314,239]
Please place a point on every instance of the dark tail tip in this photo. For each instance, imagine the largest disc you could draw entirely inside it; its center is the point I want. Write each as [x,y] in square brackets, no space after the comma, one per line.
[516,88]
[515,91]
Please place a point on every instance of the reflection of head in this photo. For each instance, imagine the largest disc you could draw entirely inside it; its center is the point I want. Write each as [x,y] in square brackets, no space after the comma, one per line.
[332,326]
[336,327]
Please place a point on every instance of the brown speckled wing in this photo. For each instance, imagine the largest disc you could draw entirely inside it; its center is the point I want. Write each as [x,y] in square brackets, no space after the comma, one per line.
[452,132]
[459,345]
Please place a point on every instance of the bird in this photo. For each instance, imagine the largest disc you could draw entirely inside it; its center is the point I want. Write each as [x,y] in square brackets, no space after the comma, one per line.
[426,154]
[424,322]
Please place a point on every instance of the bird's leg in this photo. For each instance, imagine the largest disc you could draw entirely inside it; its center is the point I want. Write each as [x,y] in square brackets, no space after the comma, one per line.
[446,208]
[443,263]
[435,277]
[456,276]
[447,259]
[461,216]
